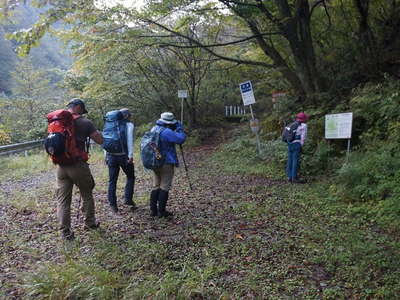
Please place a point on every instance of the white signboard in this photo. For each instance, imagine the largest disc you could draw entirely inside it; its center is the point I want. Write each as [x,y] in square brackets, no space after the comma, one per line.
[246,90]
[182,93]
[338,126]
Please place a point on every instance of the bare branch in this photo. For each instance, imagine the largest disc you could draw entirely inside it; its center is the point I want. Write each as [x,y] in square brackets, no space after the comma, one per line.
[200,45]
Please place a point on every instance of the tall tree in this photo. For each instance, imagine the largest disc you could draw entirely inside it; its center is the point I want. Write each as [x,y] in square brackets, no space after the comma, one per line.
[25,113]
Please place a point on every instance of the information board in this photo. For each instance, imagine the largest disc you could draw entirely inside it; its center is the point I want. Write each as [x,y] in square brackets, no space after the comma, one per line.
[246,89]
[338,126]
[182,93]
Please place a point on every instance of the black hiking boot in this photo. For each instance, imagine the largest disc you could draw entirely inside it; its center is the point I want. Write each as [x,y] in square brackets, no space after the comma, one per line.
[299,180]
[132,205]
[114,209]
[153,202]
[162,204]
[67,235]
[129,203]
[95,226]
[133,208]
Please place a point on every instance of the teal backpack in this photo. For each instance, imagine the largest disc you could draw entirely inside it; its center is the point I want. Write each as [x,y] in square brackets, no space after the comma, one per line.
[150,149]
[114,132]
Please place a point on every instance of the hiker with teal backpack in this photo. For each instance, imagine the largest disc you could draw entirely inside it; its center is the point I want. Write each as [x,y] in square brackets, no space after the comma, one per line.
[118,143]
[158,153]
[295,135]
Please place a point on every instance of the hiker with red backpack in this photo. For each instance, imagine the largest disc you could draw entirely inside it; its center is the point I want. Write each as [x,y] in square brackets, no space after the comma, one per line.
[295,135]
[118,134]
[67,145]
[158,153]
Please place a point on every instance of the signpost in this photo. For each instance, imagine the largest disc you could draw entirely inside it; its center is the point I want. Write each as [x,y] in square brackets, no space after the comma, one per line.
[182,94]
[339,126]
[246,89]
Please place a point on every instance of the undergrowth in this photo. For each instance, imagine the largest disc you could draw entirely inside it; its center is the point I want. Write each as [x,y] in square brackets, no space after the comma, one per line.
[354,239]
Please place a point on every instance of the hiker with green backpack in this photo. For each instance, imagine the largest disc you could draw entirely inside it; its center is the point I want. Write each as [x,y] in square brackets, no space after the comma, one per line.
[158,153]
[118,133]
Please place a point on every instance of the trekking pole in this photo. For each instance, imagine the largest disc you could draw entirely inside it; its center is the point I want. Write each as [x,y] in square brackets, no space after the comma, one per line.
[186,168]
[180,146]
[79,207]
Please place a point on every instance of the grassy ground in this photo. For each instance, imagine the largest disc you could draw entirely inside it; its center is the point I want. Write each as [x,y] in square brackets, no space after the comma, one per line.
[243,233]
[17,166]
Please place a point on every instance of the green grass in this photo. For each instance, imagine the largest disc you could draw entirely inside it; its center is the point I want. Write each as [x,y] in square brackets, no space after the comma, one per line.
[19,166]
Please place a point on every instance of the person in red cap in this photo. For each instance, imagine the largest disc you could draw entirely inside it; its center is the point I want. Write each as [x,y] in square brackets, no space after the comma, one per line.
[294,148]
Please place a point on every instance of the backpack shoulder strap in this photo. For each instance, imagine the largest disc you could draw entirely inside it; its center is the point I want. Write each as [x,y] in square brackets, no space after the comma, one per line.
[76,116]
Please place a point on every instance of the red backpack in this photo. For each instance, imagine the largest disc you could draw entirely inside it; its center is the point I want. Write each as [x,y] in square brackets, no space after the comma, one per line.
[61,143]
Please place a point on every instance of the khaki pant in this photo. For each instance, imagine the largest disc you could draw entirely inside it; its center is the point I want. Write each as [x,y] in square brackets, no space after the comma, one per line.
[163,177]
[80,175]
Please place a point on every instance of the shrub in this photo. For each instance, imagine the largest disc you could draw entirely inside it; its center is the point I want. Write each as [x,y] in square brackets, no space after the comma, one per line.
[141,129]
[375,107]
[319,159]
[372,175]
[271,127]
[4,137]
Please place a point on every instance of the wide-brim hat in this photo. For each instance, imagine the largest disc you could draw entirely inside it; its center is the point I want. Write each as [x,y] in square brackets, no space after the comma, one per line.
[168,118]
[77,101]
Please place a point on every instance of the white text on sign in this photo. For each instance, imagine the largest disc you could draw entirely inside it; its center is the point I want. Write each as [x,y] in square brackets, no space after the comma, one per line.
[246,90]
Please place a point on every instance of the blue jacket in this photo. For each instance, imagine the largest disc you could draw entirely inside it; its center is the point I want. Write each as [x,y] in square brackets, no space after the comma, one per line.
[168,139]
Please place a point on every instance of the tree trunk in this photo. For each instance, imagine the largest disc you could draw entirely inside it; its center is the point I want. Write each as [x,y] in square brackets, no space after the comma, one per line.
[279,62]
[364,31]
[297,31]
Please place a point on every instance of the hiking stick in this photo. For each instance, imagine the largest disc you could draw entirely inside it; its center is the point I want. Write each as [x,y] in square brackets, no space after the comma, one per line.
[186,168]
[183,156]
[79,207]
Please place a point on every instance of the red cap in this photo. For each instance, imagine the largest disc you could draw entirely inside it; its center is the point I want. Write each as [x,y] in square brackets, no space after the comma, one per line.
[302,117]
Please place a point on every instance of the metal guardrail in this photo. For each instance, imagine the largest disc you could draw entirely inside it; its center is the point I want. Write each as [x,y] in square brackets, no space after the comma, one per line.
[20,147]
[235,110]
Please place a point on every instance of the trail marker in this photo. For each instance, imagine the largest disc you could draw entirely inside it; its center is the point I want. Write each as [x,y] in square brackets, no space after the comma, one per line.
[246,90]
[182,94]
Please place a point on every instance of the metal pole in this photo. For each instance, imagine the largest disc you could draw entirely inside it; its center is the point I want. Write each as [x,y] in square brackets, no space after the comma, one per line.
[183,156]
[182,110]
[251,111]
[348,151]
[257,136]
[79,206]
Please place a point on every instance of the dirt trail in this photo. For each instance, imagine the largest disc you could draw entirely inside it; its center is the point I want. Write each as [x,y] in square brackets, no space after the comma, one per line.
[215,204]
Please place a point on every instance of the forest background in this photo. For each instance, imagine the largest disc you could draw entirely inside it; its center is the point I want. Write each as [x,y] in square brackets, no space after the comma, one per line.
[327,56]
